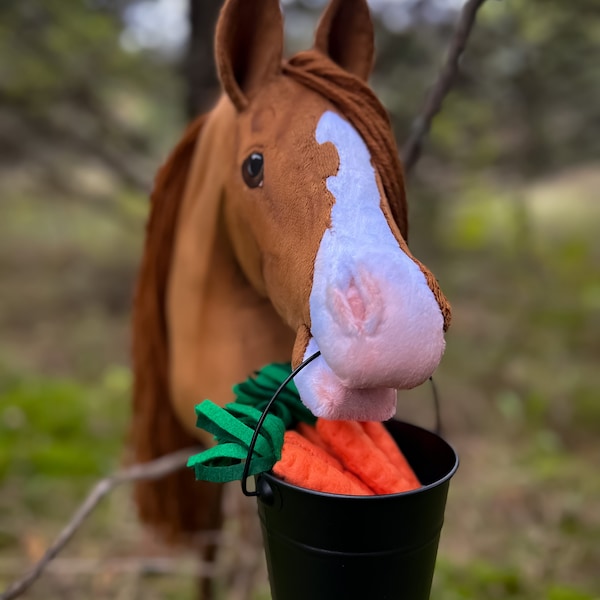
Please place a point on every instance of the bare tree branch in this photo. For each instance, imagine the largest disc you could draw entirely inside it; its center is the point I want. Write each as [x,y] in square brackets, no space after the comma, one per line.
[151,470]
[411,151]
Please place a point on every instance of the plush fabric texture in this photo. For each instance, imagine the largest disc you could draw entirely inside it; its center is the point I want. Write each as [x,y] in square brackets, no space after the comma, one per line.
[377,321]
[220,328]
[176,505]
[357,102]
[320,386]
[347,458]
[309,466]
[326,396]
[249,47]
[227,272]
[343,20]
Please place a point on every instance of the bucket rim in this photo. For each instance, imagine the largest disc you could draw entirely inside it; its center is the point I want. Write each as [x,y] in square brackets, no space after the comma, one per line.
[419,490]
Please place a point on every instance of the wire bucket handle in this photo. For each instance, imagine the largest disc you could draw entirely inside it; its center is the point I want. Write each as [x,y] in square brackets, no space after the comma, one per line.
[265,412]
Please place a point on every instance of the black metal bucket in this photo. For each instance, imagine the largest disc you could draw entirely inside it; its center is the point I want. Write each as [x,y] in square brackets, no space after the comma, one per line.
[329,547]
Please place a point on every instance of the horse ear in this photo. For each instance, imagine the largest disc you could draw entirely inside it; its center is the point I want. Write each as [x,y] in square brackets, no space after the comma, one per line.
[248,47]
[345,34]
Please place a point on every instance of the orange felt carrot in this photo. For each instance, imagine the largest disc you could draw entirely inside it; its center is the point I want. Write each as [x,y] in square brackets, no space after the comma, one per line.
[306,465]
[311,434]
[359,454]
[318,451]
[385,442]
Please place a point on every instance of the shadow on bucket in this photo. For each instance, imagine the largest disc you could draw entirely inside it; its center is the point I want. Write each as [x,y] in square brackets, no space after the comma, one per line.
[329,547]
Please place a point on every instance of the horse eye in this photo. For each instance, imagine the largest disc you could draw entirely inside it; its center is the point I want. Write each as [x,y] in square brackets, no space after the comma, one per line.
[252,170]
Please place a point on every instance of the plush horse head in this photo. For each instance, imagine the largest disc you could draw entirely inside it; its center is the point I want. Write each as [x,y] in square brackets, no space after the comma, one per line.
[278,228]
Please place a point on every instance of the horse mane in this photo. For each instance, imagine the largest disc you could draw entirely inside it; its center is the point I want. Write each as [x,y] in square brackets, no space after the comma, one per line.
[176,504]
[358,103]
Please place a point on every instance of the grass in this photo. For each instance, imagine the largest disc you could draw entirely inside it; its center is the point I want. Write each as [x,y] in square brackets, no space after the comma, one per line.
[53,427]
[487,580]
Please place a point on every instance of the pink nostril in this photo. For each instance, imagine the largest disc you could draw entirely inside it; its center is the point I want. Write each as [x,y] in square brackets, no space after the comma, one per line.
[355,302]
[358,308]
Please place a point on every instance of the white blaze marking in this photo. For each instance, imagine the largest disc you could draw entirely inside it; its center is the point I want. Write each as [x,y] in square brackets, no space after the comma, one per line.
[360,240]
[373,316]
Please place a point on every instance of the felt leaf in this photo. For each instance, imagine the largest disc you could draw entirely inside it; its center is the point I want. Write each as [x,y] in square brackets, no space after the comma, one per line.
[225,462]
[233,426]
[224,425]
[259,390]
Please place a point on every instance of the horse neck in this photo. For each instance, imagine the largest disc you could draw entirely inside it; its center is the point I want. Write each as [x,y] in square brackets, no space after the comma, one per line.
[221,329]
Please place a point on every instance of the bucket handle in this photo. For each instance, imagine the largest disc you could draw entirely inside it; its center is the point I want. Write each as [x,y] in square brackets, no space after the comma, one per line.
[263,416]
[436,408]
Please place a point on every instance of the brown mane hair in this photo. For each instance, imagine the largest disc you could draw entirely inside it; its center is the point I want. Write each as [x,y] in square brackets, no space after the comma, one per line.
[175,504]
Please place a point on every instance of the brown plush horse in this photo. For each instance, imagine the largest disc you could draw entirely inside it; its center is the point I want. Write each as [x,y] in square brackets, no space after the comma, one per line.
[278,228]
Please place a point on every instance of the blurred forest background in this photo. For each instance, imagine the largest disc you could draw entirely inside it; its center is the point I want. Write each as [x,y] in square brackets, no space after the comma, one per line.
[504,209]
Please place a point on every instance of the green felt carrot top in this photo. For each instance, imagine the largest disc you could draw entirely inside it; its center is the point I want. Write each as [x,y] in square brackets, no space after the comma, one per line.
[233,426]
[338,457]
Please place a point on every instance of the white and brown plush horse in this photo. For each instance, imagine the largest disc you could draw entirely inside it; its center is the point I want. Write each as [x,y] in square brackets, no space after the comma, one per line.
[278,228]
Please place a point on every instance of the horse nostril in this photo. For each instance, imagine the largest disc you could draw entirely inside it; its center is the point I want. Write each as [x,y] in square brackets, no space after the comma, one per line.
[357,307]
[355,301]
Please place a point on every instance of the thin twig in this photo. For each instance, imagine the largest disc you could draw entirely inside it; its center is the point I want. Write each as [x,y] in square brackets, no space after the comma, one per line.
[151,470]
[433,103]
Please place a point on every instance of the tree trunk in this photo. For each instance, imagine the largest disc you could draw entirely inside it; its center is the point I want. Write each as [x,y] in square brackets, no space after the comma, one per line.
[200,72]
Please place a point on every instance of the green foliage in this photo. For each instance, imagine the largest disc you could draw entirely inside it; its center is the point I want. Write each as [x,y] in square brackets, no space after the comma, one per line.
[484,581]
[563,593]
[59,428]
[53,46]
[478,580]
[528,264]
[75,96]
[526,104]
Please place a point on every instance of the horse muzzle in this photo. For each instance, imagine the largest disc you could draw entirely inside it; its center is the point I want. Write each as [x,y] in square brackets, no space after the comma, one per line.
[379,328]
